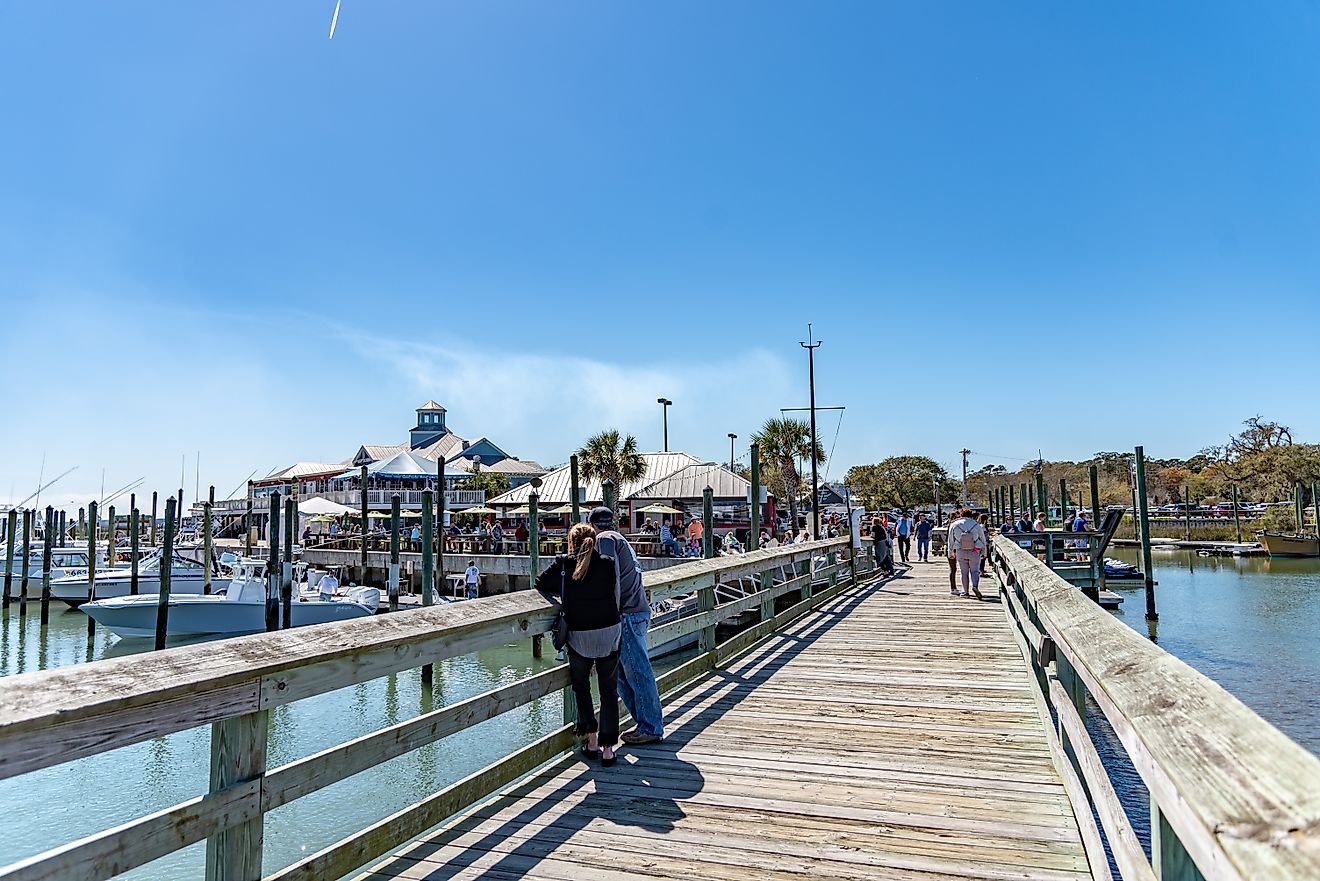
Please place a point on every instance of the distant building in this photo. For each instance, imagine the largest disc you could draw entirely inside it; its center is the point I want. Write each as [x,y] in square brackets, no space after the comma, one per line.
[406,469]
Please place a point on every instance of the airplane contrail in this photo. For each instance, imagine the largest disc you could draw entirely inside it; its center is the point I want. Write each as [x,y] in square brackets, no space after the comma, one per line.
[334,20]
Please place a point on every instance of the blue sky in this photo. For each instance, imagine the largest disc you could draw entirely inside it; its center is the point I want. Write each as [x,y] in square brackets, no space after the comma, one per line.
[222,232]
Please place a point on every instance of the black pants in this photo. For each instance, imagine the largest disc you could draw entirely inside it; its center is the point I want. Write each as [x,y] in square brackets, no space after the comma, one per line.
[904,545]
[607,673]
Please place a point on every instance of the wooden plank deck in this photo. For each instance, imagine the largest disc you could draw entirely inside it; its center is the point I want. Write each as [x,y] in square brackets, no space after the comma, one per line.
[892,736]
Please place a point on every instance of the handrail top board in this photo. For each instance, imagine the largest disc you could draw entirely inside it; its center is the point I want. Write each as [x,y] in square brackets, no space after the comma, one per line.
[231,671]
[1243,797]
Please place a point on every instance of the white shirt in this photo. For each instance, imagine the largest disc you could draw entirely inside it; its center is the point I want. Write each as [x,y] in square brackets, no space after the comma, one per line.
[472,574]
[328,584]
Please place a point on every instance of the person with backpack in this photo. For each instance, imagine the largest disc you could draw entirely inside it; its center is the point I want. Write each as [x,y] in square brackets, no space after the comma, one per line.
[967,545]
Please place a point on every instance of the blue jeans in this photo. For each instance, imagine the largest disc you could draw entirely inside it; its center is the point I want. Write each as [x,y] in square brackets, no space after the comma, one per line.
[923,548]
[637,688]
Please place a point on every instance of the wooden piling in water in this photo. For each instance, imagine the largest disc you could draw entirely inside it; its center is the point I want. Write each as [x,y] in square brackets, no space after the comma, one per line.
[1315,503]
[110,538]
[1012,502]
[1143,524]
[247,524]
[1237,520]
[27,559]
[1064,501]
[440,523]
[394,553]
[64,528]
[134,528]
[708,524]
[45,566]
[534,546]
[166,568]
[153,519]
[1042,498]
[1299,509]
[82,523]
[1094,474]
[91,563]
[273,566]
[574,487]
[754,535]
[428,566]
[206,547]
[11,542]
[286,571]
[362,505]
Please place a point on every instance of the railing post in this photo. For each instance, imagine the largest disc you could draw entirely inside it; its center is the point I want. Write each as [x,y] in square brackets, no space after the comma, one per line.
[1168,857]
[832,560]
[705,603]
[238,754]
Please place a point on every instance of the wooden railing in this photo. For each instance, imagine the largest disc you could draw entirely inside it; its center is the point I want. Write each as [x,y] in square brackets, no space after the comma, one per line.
[56,716]
[1231,797]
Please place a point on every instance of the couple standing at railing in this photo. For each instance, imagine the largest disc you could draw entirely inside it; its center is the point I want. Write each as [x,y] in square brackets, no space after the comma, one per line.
[599,585]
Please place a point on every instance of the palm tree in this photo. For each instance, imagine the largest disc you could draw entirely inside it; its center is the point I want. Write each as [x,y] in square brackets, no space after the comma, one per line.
[783,443]
[611,456]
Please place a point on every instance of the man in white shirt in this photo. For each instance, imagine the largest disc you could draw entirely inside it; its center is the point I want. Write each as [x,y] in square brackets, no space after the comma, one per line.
[472,575]
[327,586]
[967,545]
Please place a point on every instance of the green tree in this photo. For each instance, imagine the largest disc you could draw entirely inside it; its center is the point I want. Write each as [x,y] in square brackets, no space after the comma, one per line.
[783,442]
[610,455]
[902,482]
[494,484]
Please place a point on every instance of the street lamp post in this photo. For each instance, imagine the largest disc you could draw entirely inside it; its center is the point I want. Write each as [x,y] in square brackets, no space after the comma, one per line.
[811,346]
[664,408]
[732,437]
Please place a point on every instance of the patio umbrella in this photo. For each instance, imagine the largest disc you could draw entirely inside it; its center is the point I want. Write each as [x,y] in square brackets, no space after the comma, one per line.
[521,510]
[482,509]
[323,518]
[378,515]
[562,509]
[659,509]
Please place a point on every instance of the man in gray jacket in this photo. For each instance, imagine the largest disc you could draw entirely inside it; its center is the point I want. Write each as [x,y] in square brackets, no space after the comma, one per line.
[637,688]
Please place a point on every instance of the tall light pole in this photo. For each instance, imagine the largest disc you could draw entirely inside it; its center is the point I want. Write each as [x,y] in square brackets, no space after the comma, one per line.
[811,345]
[965,453]
[732,437]
[664,408]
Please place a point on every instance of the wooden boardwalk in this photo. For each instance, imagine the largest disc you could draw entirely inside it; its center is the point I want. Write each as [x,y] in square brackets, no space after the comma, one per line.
[892,735]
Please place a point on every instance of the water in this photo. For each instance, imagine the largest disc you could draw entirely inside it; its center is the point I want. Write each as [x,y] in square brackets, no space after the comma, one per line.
[1252,624]
[60,804]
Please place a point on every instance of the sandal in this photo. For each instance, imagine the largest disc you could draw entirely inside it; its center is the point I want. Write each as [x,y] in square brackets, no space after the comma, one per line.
[608,761]
[591,753]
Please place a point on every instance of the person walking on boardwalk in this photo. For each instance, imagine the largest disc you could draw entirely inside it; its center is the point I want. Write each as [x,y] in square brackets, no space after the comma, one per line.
[587,585]
[637,687]
[922,529]
[473,578]
[903,530]
[967,544]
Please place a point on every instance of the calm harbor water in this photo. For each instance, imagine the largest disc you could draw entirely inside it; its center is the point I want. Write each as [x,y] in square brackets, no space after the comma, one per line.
[60,804]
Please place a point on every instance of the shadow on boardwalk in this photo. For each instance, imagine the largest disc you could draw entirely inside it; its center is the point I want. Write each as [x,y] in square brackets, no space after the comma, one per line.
[645,790]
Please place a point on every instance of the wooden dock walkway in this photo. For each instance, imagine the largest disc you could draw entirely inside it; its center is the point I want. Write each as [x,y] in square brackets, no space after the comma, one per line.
[892,735]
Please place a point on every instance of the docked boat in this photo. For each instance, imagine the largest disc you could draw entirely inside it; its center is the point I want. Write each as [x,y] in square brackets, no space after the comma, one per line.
[241,609]
[186,577]
[1279,544]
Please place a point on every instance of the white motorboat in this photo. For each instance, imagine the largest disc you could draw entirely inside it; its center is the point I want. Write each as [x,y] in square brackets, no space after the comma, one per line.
[241,609]
[186,577]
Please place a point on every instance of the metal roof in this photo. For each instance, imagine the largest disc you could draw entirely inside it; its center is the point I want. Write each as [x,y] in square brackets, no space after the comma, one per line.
[304,469]
[556,485]
[514,466]
[432,405]
[691,483]
[401,464]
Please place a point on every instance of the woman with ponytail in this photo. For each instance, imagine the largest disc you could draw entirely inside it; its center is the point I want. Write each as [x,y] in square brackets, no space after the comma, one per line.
[587,585]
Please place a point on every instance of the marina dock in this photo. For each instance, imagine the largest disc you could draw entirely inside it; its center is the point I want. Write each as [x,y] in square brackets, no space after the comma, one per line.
[863,728]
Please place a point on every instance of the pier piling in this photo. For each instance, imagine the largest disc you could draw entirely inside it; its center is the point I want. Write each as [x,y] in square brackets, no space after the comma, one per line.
[286,571]
[708,524]
[166,567]
[428,565]
[534,536]
[206,548]
[273,565]
[134,530]
[362,505]
[153,518]
[11,542]
[27,558]
[91,563]
[575,487]
[45,565]
[110,538]
[394,553]
[1143,524]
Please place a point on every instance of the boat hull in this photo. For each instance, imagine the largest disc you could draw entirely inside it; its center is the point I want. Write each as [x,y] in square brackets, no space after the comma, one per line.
[73,591]
[190,615]
[1279,545]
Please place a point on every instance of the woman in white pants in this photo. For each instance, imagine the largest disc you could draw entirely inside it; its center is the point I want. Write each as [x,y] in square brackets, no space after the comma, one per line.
[967,545]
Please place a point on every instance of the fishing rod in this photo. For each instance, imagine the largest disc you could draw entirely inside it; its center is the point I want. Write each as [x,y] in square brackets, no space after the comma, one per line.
[47,485]
[241,485]
[134,485]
